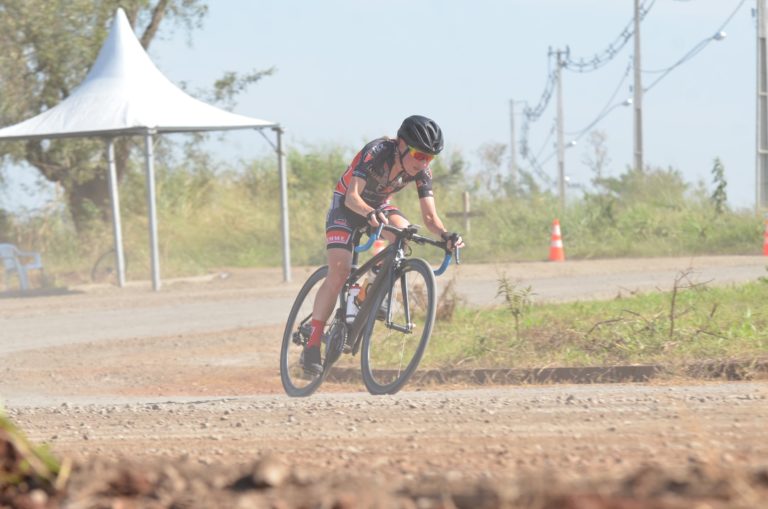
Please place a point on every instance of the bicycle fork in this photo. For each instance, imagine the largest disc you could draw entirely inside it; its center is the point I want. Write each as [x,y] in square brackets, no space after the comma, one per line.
[388,323]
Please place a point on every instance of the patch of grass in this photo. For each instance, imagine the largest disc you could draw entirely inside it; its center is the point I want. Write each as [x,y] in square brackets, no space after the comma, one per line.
[26,467]
[693,323]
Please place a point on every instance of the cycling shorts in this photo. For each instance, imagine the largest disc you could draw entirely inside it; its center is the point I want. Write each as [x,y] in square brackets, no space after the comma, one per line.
[342,226]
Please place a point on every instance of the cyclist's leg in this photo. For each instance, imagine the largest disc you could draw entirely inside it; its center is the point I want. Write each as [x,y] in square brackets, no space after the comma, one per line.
[396,219]
[340,231]
[339,264]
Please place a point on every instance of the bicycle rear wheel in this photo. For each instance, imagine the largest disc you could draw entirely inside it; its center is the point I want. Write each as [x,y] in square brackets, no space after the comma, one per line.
[296,382]
[394,339]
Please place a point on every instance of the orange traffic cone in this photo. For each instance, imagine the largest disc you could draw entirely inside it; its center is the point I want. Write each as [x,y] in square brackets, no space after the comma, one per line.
[556,253]
[765,239]
[378,246]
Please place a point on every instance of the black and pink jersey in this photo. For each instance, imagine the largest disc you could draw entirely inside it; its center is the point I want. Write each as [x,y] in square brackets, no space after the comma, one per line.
[374,164]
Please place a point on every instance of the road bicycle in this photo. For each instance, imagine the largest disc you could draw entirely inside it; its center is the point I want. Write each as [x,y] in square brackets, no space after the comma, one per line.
[394,295]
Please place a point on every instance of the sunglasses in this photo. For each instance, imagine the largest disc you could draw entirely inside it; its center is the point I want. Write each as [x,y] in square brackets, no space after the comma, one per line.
[419,155]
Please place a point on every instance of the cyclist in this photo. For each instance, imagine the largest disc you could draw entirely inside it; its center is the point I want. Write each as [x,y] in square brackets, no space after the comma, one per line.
[383,167]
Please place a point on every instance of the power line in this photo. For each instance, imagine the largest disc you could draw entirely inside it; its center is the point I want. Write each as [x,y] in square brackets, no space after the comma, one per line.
[537,168]
[601,59]
[546,140]
[533,160]
[531,115]
[719,36]
[607,108]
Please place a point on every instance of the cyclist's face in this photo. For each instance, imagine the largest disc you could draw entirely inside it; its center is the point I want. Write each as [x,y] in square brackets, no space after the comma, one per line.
[413,165]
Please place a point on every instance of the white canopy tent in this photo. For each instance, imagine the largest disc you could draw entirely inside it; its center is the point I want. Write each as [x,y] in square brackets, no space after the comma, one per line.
[125,94]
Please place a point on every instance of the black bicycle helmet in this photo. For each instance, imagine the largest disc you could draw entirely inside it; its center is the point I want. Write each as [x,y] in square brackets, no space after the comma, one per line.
[422,134]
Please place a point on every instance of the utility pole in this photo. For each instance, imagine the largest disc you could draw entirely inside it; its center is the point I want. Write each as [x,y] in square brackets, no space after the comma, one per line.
[638,98]
[512,145]
[761,163]
[560,144]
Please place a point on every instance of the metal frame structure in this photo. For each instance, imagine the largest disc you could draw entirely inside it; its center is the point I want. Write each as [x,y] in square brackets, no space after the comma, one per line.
[152,208]
[137,100]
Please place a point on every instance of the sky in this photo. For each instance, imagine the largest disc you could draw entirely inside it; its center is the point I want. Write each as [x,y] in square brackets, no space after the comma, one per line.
[348,71]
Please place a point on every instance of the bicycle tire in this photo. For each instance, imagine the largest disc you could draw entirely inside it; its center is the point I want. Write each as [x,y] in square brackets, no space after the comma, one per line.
[296,382]
[390,356]
[106,268]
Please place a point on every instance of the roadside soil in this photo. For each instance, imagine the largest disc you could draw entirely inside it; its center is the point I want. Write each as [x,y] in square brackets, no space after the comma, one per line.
[199,419]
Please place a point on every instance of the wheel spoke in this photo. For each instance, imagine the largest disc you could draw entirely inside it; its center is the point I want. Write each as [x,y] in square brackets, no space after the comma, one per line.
[394,348]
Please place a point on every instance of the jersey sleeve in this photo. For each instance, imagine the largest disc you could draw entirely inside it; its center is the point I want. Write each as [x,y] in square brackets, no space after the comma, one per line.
[424,183]
[366,159]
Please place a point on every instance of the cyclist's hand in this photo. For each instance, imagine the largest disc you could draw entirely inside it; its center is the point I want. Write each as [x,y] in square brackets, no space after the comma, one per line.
[452,240]
[376,217]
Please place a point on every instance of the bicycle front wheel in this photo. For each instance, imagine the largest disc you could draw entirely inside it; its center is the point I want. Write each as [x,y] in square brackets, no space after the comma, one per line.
[297,382]
[398,329]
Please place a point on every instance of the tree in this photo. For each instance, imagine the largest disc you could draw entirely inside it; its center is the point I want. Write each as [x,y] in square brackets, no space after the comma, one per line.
[48,48]
[719,197]
[598,159]
[658,187]
[491,176]
[448,169]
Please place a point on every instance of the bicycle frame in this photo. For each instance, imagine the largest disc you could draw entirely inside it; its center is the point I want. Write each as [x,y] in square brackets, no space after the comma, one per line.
[388,258]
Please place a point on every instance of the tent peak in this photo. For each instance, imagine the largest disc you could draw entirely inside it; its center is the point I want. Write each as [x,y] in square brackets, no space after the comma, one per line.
[124,92]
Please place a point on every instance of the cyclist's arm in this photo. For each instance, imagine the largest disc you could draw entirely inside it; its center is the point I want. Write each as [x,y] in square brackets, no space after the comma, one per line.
[354,201]
[429,214]
[432,220]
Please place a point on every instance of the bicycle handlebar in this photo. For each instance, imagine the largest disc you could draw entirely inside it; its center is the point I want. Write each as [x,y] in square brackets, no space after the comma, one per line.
[445,264]
[410,234]
[371,239]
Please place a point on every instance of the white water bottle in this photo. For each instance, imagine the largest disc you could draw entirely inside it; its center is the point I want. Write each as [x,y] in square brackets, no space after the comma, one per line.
[354,290]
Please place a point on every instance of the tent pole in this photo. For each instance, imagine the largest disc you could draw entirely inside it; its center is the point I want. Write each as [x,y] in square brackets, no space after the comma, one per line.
[152,211]
[284,205]
[116,228]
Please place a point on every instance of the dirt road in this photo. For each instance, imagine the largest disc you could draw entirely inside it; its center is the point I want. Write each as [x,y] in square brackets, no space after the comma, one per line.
[495,437]
[184,384]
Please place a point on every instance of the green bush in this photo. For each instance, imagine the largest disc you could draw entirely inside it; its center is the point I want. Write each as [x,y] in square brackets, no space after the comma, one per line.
[212,216]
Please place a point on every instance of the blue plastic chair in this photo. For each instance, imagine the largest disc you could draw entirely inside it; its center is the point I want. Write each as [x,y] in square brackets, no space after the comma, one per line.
[19,263]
